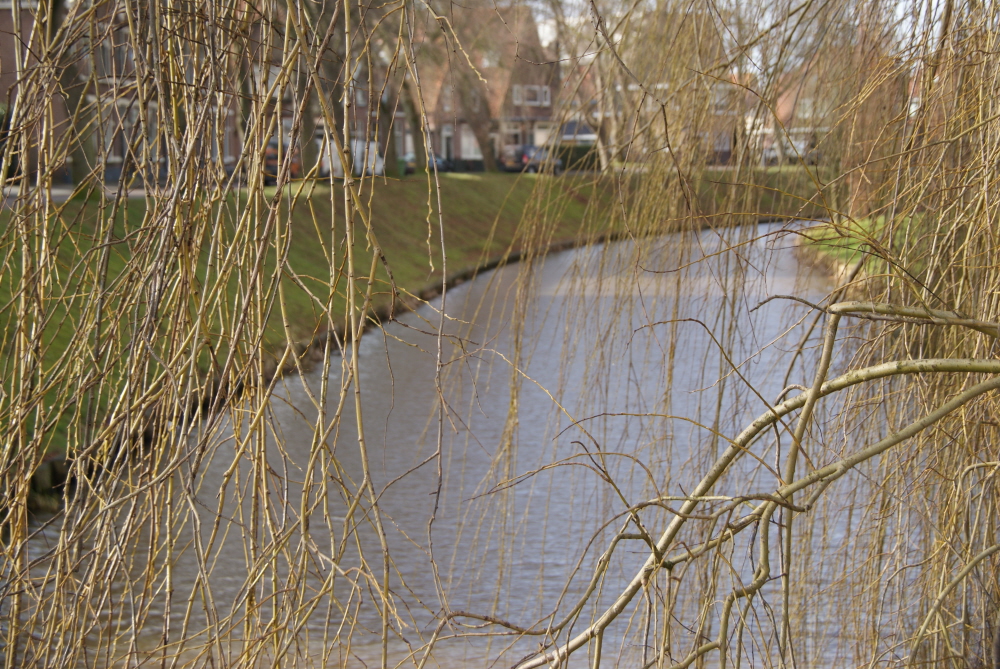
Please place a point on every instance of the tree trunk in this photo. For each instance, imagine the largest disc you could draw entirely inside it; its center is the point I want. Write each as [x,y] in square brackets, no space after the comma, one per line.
[482,133]
[413,120]
[388,137]
[307,135]
[473,99]
[476,112]
[996,645]
[84,151]
[81,114]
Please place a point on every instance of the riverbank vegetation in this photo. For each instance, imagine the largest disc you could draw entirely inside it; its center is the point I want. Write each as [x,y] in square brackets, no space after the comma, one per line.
[713,458]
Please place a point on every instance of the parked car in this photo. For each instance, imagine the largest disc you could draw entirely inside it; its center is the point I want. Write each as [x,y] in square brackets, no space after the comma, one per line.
[531,159]
[443,164]
[541,159]
[362,152]
[411,163]
[272,164]
[433,161]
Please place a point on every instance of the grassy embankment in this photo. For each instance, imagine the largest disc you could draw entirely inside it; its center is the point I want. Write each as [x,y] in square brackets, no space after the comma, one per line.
[839,245]
[482,216]
[481,222]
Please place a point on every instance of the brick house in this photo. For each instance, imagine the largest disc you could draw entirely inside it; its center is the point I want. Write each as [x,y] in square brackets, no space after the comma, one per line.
[516,106]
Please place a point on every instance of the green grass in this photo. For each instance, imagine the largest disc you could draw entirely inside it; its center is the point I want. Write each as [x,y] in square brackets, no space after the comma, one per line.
[482,220]
[779,192]
[845,241]
[482,213]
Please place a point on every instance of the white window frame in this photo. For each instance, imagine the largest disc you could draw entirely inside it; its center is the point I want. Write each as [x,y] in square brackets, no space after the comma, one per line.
[223,144]
[231,139]
[517,94]
[532,96]
[546,96]
[118,115]
[155,147]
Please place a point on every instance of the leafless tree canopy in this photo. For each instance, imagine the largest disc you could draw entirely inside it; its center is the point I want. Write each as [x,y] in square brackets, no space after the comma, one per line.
[680,444]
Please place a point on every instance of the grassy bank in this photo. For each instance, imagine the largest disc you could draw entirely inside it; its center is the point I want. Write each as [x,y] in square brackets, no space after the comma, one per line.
[90,267]
[791,191]
[97,247]
[481,220]
[481,217]
[841,244]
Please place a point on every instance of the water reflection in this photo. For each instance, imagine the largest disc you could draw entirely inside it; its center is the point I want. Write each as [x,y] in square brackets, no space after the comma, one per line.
[618,374]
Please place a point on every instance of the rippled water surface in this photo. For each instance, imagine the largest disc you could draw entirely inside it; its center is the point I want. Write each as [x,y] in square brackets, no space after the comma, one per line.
[618,363]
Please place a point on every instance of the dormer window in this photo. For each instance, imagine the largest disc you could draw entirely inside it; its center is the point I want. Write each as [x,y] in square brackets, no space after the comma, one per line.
[535,96]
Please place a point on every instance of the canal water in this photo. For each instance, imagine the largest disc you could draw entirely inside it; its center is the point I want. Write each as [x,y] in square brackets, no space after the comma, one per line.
[591,380]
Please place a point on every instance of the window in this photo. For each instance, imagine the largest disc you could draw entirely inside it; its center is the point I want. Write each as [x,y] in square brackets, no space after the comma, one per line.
[806,109]
[267,77]
[720,100]
[536,96]
[106,68]
[111,133]
[228,132]
[153,134]
[118,117]
[532,96]
[114,54]
[518,95]
[448,142]
[543,131]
